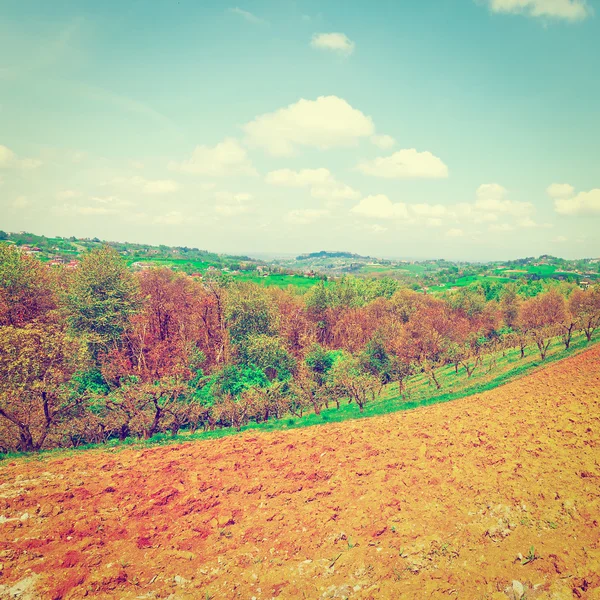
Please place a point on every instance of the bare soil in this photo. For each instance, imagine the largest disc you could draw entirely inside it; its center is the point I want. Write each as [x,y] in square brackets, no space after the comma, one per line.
[493,496]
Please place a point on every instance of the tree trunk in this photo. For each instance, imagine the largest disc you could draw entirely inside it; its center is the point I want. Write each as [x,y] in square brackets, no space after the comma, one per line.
[124,431]
[437,383]
[26,439]
[154,427]
[567,336]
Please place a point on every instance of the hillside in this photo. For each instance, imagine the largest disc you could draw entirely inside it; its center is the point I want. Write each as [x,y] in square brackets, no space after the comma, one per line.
[483,497]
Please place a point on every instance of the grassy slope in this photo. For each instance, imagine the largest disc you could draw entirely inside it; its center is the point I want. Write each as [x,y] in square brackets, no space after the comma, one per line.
[280,280]
[509,366]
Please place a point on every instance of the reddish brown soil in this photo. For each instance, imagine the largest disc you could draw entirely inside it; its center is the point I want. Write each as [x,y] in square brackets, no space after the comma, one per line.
[433,503]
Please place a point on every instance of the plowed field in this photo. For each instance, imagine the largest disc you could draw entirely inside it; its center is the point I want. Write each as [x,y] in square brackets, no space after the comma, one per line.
[492,496]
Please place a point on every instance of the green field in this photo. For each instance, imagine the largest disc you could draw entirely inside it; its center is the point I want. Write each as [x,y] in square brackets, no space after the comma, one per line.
[175,263]
[280,280]
[465,281]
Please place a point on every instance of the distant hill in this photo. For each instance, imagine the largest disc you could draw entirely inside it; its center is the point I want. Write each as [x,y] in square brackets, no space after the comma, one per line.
[324,254]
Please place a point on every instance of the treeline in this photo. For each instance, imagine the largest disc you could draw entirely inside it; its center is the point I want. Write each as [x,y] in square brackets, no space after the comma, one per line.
[99,352]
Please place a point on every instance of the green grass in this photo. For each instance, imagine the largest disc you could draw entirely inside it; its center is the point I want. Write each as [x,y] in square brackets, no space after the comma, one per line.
[421,393]
[168,262]
[280,280]
[468,280]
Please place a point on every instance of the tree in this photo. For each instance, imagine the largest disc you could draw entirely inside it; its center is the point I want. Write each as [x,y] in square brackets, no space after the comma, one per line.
[169,333]
[319,361]
[306,390]
[271,400]
[585,308]
[318,302]
[37,394]
[430,332]
[101,299]
[541,317]
[294,325]
[375,360]
[269,354]
[348,379]
[145,409]
[213,315]
[26,291]
[250,311]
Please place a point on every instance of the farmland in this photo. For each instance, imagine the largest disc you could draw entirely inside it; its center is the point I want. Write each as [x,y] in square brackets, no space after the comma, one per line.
[464,498]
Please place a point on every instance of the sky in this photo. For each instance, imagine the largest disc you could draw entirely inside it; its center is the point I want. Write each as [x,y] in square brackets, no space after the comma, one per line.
[458,129]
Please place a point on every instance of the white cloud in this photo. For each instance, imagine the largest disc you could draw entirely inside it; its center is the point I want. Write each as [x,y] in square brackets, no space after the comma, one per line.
[324,123]
[381,207]
[491,200]
[136,164]
[6,156]
[337,42]
[334,191]
[67,194]
[225,159]
[377,228]
[434,222]
[100,205]
[405,164]
[560,190]
[92,210]
[21,202]
[584,203]
[304,177]
[156,186]
[160,186]
[560,239]
[529,223]
[111,200]
[491,190]
[171,218]
[502,227]
[429,210]
[507,207]
[453,233]
[248,16]
[569,10]
[385,142]
[231,198]
[230,204]
[9,160]
[305,216]
[322,183]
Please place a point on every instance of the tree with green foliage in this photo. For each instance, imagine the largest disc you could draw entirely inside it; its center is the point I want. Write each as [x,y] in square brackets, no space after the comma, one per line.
[26,289]
[37,393]
[250,311]
[101,298]
[318,302]
[375,359]
[348,379]
[269,354]
[509,304]
[319,361]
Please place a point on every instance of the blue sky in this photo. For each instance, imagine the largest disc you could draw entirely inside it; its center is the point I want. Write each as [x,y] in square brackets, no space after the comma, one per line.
[451,128]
